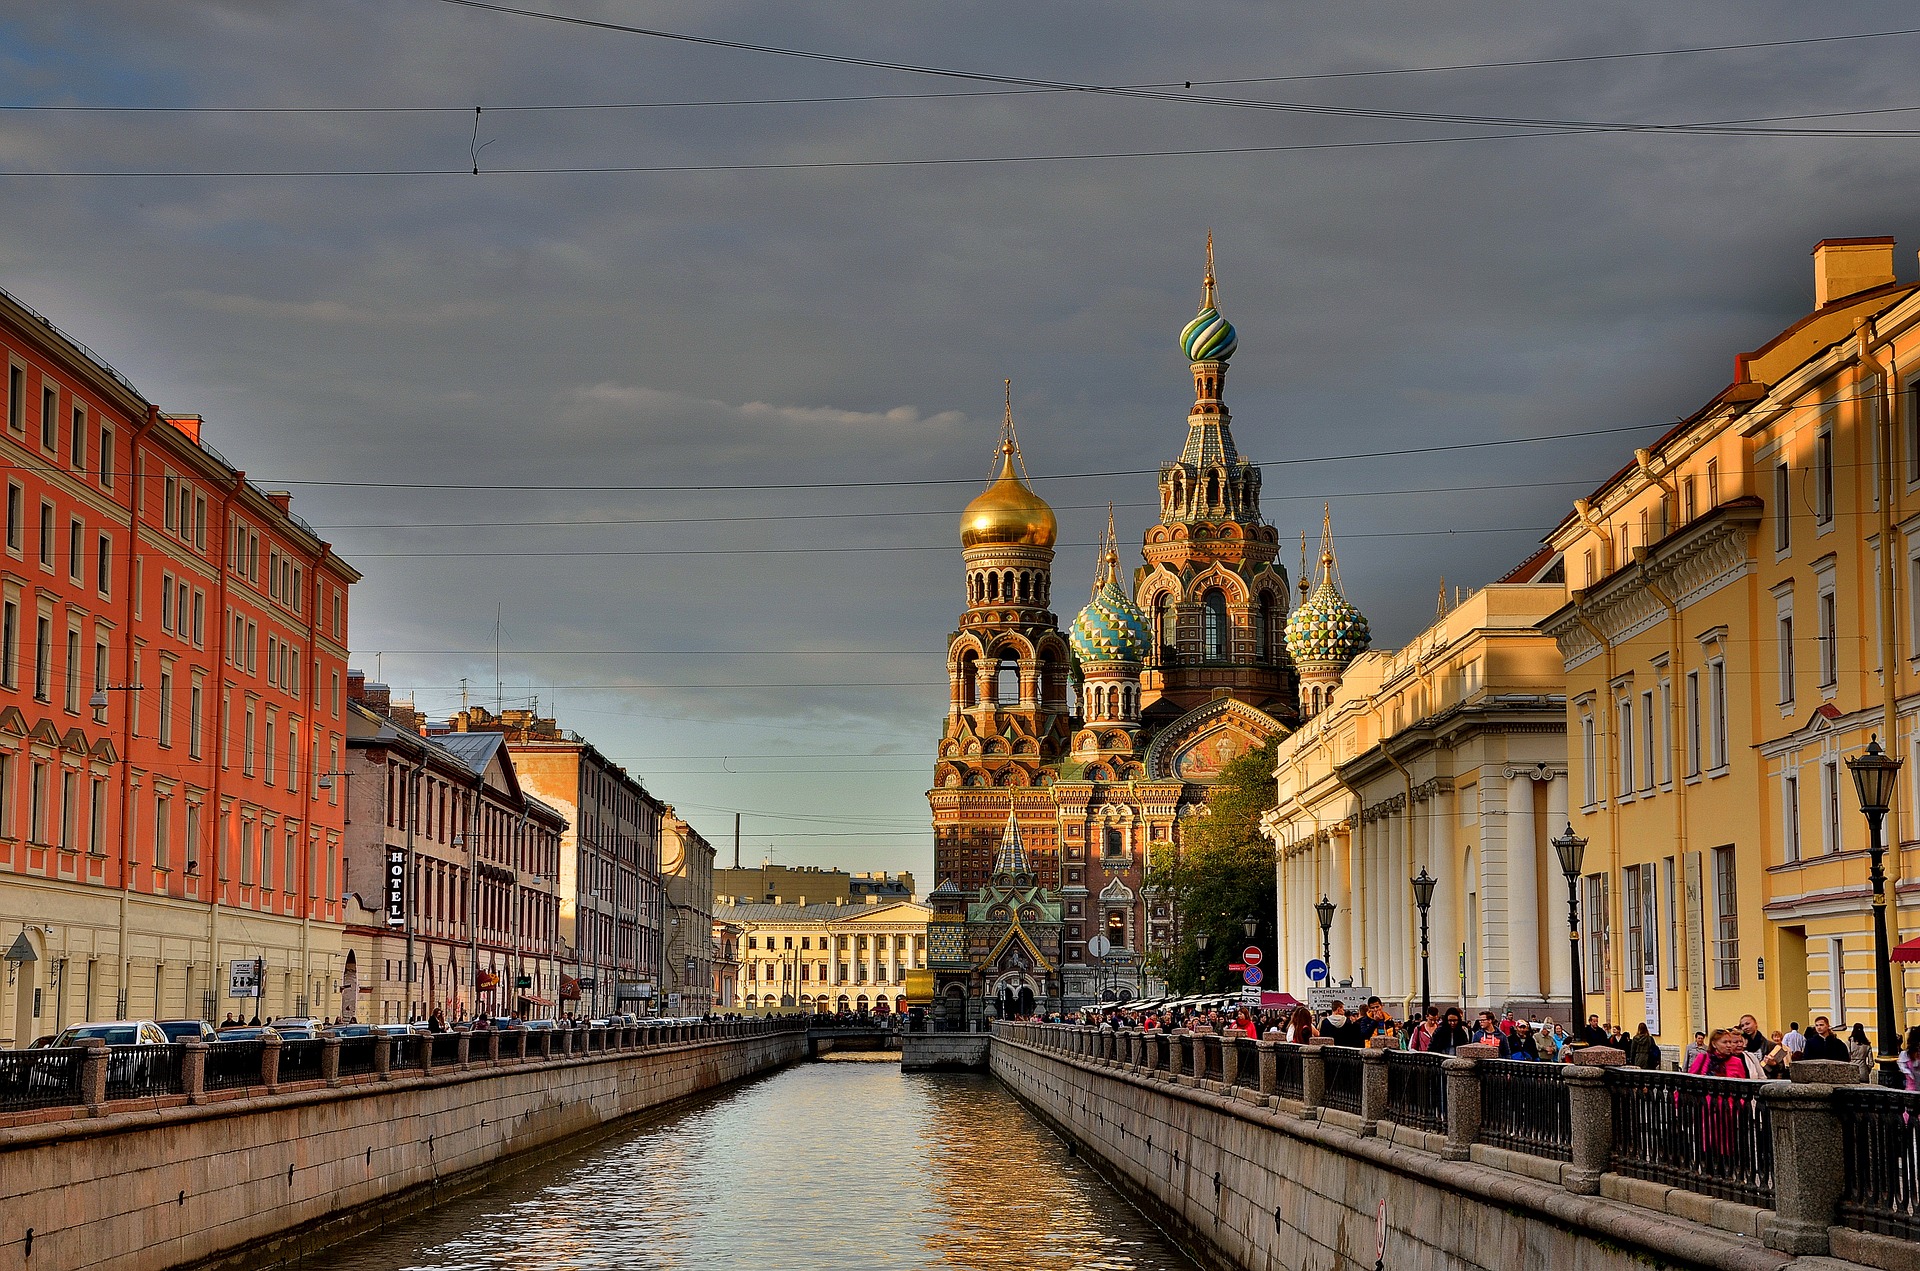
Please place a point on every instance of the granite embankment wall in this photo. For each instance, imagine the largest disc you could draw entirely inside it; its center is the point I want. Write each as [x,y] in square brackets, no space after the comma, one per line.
[275,1174]
[1254,1183]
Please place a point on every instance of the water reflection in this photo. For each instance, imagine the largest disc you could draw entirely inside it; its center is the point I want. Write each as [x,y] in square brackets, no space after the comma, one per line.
[818,1166]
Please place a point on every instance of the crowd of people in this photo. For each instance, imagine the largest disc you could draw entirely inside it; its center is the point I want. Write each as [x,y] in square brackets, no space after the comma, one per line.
[1744,1051]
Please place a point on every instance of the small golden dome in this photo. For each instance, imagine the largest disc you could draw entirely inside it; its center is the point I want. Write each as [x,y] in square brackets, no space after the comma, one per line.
[1008,512]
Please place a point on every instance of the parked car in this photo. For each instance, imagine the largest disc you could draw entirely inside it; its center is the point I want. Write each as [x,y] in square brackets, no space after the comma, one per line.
[354,1030]
[542,1024]
[251,1033]
[288,1034]
[505,1022]
[188,1030]
[297,1021]
[117,1032]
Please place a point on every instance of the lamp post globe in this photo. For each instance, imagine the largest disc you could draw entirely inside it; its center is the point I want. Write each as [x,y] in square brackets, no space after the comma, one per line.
[1572,850]
[1250,925]
[1874,773]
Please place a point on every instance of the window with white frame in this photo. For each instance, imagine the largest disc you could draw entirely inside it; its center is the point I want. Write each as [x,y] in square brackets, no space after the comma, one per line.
[1669,890]
[1624,716]
[1726,921]
[1782,508]
[1693,723]
[1595,925]
[1790,816]
[1666,732]
[1589,761]
[1717,711]
[1829,638]
[1647,746]
[1784,628]
[1630,906]
[1830,840]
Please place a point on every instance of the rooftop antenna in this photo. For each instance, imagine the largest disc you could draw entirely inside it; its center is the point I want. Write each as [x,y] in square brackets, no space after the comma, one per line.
[1440,608]
[497,706]
[377,677]
[463,695]
[736,840]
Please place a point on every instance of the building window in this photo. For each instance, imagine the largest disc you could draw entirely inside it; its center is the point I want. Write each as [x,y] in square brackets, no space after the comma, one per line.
[166,708]
[195,700]
[50,420]
[246,744]
[1625,709]
[106,458]
[1596,927]
[1790,816]
[16,517]
[166,603]
[97,818]
[37,805]
[1635,962]
[9,644]
[46,535]
[1782,507]
[1713,484]
[16,399]
[1829,641]
[1786,659]
[43,660]
[162,831]
[1717,711]
[73,671]
[1689,502]
[1693,723]
[192,840]
[103,567]
[1589,762]
[1647,746]
[1213,607]
[78,438]
[1830,806]
[1823,478]
[1726,928]
[1666,732]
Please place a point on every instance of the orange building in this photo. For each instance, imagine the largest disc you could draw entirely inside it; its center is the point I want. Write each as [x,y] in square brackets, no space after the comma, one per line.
[172,659]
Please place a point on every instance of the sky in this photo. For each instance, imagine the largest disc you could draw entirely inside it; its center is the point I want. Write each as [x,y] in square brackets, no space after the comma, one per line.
[686,442]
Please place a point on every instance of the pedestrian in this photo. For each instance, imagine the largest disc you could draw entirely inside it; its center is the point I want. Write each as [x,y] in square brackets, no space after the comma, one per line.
[1755,1041]
[1452,1033]
[1861,1050]
[1486,1029]
[437,1022]
[1824,1043]
[1910,1059]
[1699,1047]
[1793,1039]
[1519,1044]
[1726,1055]
[254,1022]
[1643,1051]
[1420,1036]
[1777,1058]
[1594,1034]
[229,1021]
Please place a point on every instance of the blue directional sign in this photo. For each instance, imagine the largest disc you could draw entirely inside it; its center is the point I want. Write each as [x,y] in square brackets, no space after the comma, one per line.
[1316,970]
[1251,975]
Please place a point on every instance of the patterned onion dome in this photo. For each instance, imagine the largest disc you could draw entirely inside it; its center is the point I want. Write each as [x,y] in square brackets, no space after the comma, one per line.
[1008,512]
[1110,629]
[1327,628]
[1209,337]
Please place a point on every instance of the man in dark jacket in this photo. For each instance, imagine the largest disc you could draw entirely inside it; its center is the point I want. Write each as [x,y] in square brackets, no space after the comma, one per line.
[1519,1044]
[1824,1043]
[1594,1034]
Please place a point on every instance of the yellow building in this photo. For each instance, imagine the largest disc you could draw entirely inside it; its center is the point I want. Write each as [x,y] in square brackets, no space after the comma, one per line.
[1724,643]
[826,957]
[1448,756]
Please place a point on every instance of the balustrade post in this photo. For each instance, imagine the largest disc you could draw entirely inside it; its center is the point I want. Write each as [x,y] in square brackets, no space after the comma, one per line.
[1269,1068]
[423,1042]
[1373,1090]
[1313,1079]
[270,1062]
[463,1052]
[1229,1059]
[1590,1107]
[493,1045]
[382,1056]
[1180,1054]
[1809,1166]
[1463,1106]
[193,1070]
[546,1043]
[93,1074]
[330,1058]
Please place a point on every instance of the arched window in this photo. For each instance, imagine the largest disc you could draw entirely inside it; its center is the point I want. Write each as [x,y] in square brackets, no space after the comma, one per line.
[1023,585]
[1213,489]
[1006,681]
[969,680]
[1263,644]
[1006,585]
[1214,607]
[1160,632]
[993,586]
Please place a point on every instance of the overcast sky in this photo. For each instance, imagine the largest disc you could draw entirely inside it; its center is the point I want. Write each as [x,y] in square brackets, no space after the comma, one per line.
[548,396]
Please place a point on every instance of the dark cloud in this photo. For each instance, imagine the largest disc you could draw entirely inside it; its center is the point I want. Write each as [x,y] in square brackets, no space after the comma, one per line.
[831,325]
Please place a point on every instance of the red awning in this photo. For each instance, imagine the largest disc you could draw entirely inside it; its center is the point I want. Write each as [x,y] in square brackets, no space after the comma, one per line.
[1906,952]
[537,1001]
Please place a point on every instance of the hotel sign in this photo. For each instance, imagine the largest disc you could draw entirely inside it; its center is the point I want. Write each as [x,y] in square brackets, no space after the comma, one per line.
[396,887]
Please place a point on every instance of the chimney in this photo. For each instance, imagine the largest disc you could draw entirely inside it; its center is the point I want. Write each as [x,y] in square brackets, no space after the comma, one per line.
[1845,267]
[356,685]
[281,499]
[802,900]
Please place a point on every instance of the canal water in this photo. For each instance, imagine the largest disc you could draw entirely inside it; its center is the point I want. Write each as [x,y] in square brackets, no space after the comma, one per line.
[821,1165]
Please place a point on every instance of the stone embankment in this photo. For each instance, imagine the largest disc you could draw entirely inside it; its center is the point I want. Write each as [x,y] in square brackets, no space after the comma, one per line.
[1261,1155]
[269,1169]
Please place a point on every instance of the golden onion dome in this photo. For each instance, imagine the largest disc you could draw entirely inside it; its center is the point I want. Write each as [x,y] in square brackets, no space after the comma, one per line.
[1008,512]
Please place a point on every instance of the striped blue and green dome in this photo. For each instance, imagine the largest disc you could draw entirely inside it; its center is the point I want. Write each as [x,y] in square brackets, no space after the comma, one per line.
[1209,337]
[1110,629]
[1326,628]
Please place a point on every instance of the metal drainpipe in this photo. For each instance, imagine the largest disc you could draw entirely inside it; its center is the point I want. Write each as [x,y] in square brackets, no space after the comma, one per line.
[1889,652]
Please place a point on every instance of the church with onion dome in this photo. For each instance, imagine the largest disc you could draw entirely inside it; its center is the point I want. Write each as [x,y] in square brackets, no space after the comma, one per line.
[1093,744]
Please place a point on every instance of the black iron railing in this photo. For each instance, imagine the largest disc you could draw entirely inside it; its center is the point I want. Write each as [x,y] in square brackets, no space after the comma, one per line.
[300,1060]
[1346,1073]
[404,1050]
[1711,1135]
[356,1055]
[42,1078]
[446,1049]
[1207,1056]
[143,1072]
[1880,1133]
[1416,1090]
[1248,1072]
[1289,1081]
[1524,1108]
[232,1065]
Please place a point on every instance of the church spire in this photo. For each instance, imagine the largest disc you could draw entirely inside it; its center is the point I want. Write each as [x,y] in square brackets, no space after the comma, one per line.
[1206,301]
[1012,856]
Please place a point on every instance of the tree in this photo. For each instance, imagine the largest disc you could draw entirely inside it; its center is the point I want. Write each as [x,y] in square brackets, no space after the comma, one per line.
[1221,872]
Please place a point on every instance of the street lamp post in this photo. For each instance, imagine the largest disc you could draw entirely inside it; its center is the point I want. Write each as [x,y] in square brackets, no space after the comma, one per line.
[1324,912]
[1572,849]
[1423,884]
[1873,776]
[1201,940]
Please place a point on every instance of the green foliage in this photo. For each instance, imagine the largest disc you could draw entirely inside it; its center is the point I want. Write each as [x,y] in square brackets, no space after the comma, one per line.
[1222,874]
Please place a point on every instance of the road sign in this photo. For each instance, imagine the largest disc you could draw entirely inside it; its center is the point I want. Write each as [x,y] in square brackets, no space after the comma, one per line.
[1353,996]
[1251,975]
[1236,966]
[1099,947]
[1316,969]
[1250,996]
[1251,955]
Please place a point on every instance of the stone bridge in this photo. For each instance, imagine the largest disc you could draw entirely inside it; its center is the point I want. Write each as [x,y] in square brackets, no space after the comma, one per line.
[1263,1155]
